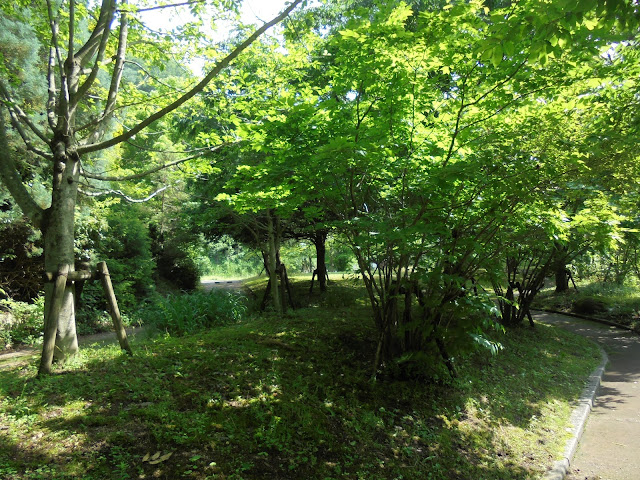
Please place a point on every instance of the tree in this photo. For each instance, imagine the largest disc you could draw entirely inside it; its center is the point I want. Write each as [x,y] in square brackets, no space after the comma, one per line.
[411,136]
[83,44]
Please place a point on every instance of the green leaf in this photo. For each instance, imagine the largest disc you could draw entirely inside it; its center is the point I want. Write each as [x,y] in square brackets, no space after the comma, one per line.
[496,55]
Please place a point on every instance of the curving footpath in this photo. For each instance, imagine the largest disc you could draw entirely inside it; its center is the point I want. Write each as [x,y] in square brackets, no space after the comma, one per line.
[609,447]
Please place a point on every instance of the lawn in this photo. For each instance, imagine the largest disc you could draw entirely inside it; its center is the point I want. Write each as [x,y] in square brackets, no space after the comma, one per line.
[289,398]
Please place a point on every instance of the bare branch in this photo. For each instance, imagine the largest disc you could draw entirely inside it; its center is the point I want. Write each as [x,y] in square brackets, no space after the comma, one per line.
[119,66]
[193,151]
[55,45]
[221,65]
[51,78]
[100,33]
[136,176]
[72,22]
[120,193]
[106,17]
[25,138]
[173,5]
[149,74]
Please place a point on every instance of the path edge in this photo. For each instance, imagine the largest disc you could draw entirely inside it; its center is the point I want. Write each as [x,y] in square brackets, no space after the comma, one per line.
[578,421]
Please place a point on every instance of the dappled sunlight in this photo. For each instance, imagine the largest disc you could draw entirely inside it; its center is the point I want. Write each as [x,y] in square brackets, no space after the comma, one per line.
[287,396]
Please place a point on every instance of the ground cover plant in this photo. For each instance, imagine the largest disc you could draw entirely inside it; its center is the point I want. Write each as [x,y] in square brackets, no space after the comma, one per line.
[611,301]
[283,397]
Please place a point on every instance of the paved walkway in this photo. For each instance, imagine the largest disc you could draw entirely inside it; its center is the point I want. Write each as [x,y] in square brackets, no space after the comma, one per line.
[609,448]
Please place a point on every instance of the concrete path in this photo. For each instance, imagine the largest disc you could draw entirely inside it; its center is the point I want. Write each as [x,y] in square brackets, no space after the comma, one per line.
[609,448]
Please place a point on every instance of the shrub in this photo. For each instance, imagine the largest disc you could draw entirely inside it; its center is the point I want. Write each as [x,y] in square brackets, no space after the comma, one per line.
[20,261]
[24,322]
[180,269]
[187,313]
[589,305]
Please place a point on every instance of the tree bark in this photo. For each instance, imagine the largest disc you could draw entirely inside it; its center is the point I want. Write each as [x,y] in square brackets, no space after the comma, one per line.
[58,233]
[273,264]
[114,311]
[57,288]
[562,279]
[320,242]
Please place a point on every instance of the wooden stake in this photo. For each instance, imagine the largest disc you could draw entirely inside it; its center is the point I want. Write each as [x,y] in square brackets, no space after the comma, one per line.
[114,311]
[51,324]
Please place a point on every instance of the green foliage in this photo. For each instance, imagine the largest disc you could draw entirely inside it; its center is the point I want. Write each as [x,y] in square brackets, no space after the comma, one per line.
[437,141]
[22,323]
[19,60]
[126,248]
[229,259]
[189,313]
[20,260]
[619,303]
[178,267]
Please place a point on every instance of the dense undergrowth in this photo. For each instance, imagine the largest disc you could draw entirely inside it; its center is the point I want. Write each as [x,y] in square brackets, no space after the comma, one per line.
[289,398]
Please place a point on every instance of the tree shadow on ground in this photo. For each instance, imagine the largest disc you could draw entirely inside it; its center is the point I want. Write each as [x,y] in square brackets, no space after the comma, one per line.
[276,399]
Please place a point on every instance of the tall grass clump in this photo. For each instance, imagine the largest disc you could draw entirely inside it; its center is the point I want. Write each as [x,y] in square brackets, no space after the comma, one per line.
[187,313]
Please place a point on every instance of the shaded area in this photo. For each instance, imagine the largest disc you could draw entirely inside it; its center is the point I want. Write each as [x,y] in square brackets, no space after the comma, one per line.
[286,398]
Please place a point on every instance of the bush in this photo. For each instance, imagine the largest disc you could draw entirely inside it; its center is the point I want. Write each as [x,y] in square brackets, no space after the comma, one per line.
[23,323]
[180,269]
[589,305]
[21,263]
[188,313]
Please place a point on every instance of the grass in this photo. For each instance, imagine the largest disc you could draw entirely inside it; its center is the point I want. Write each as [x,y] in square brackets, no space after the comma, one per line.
[289,398]
[617,303]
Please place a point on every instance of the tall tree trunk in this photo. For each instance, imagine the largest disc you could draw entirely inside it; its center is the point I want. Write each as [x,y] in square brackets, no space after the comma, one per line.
[320,242]
[273,264]
[58,232]
[562,279]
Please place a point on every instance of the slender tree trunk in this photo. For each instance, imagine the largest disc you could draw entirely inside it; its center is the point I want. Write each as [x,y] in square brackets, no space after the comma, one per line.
[320,242]
[273,264]
[562,279]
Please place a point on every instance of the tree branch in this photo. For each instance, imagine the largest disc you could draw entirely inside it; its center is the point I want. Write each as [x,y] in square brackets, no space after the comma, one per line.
[221,65]
[11,179]
[84,56]
[25,138]
[116,77]
[13,107]
[119,193]
[51,80]
[100,33]
[173,5]
[136,176]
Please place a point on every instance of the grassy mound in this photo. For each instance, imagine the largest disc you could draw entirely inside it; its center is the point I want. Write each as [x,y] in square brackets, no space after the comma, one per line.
[288,398]
[609,301]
